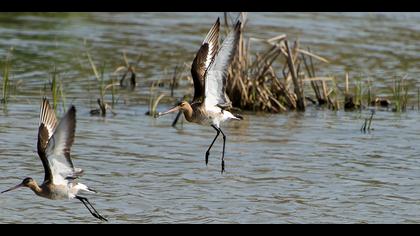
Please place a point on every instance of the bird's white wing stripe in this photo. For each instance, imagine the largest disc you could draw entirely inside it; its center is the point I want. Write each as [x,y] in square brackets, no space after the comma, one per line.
[47,117]
[214,88]
[217,72]
[212,39]
[209,56]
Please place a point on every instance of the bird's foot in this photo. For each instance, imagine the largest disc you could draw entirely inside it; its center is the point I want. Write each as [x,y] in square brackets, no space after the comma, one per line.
[207,157]
[223,166]
[100,217]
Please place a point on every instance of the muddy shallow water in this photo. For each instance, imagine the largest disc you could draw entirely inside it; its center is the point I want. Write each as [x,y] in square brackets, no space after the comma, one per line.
[315,167]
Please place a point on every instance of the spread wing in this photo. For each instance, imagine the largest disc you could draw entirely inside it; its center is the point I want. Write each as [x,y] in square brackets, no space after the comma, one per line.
[47,126]
[58,150]
[216,75]
[204,58]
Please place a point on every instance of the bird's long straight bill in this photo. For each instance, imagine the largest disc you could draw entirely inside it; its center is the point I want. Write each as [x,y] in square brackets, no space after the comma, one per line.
[10,189]
[170,111]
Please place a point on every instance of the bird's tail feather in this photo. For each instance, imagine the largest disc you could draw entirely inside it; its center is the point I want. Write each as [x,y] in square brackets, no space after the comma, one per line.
[83,187]
[238,117]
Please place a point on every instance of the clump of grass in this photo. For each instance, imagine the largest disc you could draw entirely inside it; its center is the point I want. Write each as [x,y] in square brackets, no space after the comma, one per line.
[253,83]
[55,86]
[400,94]
[102,87]
[6,77]
[128,77]
[57,90]
[363,94]
[174,81]
[273,80]
[154,99]
[358,93]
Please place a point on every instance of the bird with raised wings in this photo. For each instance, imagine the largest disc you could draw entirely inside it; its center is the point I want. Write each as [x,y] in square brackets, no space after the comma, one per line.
[209,71]
[54,144]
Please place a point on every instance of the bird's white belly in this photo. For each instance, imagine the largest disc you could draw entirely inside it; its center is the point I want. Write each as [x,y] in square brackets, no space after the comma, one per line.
[216,115]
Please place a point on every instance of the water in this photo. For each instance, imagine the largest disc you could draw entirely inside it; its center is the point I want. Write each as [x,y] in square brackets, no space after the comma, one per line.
[315,167]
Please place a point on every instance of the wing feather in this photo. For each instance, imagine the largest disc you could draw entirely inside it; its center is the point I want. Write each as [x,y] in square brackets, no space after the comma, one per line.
[59,146]
[47,126]
[216,75]
[203,59]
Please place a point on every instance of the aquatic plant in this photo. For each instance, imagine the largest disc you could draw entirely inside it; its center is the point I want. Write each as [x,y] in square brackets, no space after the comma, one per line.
[154,99]
[57,91]
[274,79]
[400,94]
[102,87]
[6,77]
[253,83]
[128,71]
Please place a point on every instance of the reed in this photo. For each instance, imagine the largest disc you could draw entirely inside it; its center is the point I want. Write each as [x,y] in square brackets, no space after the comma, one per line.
[254,84]
[273,79]
[400,94]
[103,86]
[128,70]
[418,99]
[55,88]
[62,95]
[154,99]
[6,77]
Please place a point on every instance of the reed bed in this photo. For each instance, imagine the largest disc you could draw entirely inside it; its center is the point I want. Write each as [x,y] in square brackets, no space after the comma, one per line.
[284,76]
[254,82]
[275,80]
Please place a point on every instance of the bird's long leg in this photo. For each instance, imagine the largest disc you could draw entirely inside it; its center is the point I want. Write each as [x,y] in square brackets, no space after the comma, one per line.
[82,200]
[211,145]
[95,213]
[223,153]
[176,118]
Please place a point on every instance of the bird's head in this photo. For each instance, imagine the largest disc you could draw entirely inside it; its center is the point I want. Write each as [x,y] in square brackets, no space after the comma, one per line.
[182,106]
[27,182]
